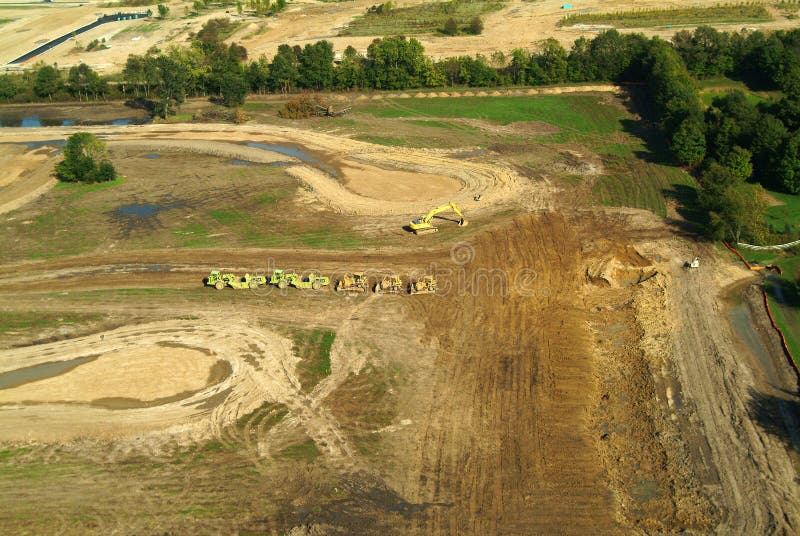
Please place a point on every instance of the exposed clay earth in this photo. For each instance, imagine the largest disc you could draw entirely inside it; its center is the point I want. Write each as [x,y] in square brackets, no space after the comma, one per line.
[569,376]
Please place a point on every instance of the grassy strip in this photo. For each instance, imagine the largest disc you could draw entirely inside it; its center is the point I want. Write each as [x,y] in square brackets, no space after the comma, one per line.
[632,182]
[419,19]
[784,301]
[142,28]
[642,18]
[578,113]
[18,321]
[314,349]
[303,451]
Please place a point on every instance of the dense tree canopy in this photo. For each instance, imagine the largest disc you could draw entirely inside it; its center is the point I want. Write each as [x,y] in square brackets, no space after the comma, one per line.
[85,160]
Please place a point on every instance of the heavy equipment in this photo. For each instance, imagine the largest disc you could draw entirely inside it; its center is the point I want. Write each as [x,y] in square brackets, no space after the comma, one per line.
[695,263]
[280,278]
[283,279]
[353,282]
[390,284]
[219,280]
[424,285]
[422,225]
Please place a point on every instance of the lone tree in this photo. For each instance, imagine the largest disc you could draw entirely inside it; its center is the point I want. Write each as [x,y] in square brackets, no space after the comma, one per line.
[85,160]
[451,26]
[476,26]
[163,11]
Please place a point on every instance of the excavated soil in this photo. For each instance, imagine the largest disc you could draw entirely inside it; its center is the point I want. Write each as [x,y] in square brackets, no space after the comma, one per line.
[568,377]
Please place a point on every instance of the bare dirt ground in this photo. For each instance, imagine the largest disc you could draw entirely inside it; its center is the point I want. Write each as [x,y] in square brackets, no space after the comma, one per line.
[569,376]
[520,24]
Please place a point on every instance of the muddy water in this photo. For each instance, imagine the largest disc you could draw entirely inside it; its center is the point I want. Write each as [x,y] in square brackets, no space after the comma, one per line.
[18,377]
[743,326]
[33,120]
[296,152]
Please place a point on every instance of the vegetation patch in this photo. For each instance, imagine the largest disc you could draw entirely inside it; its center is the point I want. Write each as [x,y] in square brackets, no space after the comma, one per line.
[313,347]
[365,403]
[31,321]
[784,219]
[643,18]
[419,19]
[303,451]
[577,113]
[632,182]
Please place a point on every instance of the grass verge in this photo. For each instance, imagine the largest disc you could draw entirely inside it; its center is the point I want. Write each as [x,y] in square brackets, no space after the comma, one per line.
[30,321]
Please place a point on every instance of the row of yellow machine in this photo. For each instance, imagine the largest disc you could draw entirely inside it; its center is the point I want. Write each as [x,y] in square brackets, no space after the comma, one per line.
[351,282]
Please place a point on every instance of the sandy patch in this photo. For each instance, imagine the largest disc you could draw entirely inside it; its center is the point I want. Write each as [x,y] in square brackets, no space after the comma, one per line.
[144,373]
[395,185]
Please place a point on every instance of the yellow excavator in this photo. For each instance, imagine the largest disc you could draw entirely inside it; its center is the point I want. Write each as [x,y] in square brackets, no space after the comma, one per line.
[422,225]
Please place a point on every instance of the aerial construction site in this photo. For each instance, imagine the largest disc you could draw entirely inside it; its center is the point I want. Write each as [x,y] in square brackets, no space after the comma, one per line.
[438,311]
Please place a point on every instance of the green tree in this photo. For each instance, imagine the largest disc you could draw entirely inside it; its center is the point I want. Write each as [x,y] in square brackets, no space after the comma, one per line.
[173,81]
[47,81]
[398,63]
[689,142]
[741,214]
[350,72]
[83,81]
[258,75]
[163,11]
[85,160]
[234,86]
[450,26]
[316,65]
[8,87]
[283,71]
[475,26]
[769,134]
[788,168]
[739,161]
[549,64]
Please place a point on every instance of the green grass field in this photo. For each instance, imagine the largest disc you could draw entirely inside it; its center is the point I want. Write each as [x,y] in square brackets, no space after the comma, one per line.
[785,218]
[643,18]
[579,114]
[419,19]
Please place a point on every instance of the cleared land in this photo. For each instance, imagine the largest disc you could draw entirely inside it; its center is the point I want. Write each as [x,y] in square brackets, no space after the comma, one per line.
[421,19]
[519,24]
[548,387]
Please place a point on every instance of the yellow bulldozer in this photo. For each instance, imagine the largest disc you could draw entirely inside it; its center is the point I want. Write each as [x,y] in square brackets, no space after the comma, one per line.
[390,284]
[423,225]
[353,282]
[424,285]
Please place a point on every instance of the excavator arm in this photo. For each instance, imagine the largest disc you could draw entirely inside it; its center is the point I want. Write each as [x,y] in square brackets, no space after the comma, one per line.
[423,224]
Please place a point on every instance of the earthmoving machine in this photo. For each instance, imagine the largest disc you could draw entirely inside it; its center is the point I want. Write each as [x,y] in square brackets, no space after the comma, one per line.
[425,285]
[694,264]
[283,279]
[422,225]
[390,284]
[219,280]
[353,282]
